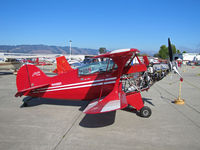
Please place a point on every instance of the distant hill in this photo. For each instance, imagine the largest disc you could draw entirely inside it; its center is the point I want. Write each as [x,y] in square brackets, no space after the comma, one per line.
[45,49]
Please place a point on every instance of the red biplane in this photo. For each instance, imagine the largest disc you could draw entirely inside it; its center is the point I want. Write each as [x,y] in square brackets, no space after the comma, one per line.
[37,62]
[110,84]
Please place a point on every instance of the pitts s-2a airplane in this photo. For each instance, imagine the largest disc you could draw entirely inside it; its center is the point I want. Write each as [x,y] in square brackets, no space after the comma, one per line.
[110,84]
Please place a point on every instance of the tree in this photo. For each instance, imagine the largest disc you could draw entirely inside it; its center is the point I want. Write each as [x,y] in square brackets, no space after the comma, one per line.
[144,54]
[102,50]
[178,51]
[173,49]
[164,53]
[184,52]
[156,55]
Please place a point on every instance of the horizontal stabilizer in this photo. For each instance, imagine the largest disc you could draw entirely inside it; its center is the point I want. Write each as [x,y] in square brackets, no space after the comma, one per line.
[26,91]
[114,101]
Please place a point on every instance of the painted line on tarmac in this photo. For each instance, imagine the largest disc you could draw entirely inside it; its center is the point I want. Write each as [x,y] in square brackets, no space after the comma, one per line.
[68,130]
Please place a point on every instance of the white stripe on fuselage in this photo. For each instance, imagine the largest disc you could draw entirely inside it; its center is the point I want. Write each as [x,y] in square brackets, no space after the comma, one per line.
[80,83]
[77,85]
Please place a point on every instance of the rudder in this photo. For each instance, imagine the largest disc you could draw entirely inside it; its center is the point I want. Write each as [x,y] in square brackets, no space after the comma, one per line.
[62,65]
[29,76]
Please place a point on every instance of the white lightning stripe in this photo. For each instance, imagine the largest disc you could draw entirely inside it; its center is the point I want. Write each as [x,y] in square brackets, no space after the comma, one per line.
[53,87]
[119,51]
[110,78]
[109,82]
[111,105]
[90,106]
[74,87]
[75,84]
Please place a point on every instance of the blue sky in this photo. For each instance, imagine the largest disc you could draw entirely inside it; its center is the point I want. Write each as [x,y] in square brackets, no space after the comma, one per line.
[142,24]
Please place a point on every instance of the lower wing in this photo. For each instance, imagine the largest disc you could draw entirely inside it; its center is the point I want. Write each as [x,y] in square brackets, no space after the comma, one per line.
[113,101]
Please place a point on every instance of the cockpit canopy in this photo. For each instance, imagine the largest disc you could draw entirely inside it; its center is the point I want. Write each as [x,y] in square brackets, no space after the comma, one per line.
[98,66]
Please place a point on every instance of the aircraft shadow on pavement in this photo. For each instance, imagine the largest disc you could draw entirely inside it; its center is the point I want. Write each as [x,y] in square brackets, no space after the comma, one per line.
[5,73]
[130,109]
[89,120]
[98,120]
[147,100]
[40,101]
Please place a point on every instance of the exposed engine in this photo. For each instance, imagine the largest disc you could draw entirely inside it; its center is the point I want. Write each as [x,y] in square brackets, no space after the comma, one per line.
[158,71]
[138,81]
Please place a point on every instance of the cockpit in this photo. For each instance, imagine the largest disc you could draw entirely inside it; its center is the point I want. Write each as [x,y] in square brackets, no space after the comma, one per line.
[98,66]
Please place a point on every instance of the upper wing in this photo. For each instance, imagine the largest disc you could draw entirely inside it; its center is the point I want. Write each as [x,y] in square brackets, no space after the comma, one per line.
[118,53]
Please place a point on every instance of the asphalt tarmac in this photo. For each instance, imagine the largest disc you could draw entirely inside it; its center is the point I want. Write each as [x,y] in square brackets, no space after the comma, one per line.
[49,124]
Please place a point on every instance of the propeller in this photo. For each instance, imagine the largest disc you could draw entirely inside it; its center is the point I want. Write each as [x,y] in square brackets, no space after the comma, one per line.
[170,50]
[172,62]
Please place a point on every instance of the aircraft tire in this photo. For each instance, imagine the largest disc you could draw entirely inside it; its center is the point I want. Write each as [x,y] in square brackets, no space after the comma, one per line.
[145,112]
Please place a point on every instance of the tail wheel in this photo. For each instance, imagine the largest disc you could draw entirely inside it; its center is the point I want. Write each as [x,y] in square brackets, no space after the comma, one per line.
[145,112]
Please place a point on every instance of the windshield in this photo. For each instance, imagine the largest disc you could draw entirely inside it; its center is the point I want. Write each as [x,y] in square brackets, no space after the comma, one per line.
[94,67]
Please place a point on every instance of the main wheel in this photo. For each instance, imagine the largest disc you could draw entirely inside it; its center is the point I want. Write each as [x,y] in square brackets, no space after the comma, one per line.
[145,112]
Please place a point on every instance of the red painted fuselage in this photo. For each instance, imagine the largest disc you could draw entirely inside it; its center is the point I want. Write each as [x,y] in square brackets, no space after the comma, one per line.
[100,80]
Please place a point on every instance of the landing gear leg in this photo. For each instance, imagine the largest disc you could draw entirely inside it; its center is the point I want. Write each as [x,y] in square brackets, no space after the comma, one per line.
[135,100]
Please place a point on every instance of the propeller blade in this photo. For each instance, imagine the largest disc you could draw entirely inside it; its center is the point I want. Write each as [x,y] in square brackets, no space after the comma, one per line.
[170,50]
[175,69]
[172,64]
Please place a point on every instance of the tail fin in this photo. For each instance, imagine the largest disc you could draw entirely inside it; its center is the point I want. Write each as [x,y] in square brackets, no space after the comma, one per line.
[62,65]
[37,61]
[29,76]
[146,60]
